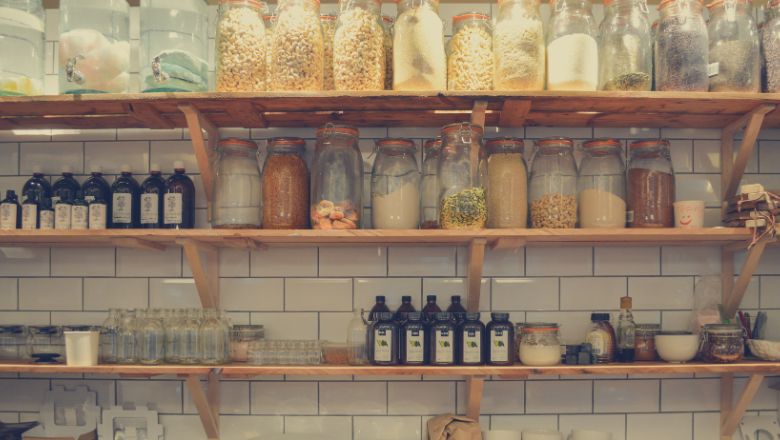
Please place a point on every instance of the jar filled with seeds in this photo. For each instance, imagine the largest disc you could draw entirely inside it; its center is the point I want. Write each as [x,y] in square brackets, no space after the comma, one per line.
[462,202]
[429,184]
[770,47]
[285,185]
[650,185]
[572,49]
[735,64]
[419,58]
[237,186]
[553,184]
[682,52]
[507,189]
[518,46]
[336,179]
[297,47]
[387,33]
[470,58]
[625,47]
[328,23]
[601,185]
[395,186]
[241,46]
[358,47]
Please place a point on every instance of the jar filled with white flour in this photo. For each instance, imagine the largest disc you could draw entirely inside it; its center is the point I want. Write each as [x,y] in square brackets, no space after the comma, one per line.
[572,49]
[419,59]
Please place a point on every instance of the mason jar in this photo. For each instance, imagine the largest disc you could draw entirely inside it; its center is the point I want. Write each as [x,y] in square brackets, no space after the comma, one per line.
[651,188]
[518,46]
[358,47]
[419,57]
[770,47]
[735,59]
[241,47]
[553,184]
[429,184]
[601,185]
[682,54]
[285,185]
[625,47]
[644,342]
[237,186]
[297,47]
[395,186]
[540,345]
[572,49]
[507,188]
[470,53]
[94,46]
[462,202]
[22,23]
[336,179]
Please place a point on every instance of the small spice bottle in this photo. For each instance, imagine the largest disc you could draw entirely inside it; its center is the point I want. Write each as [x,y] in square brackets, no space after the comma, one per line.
[644,342]
[383,340]
[471,336]
[601,338]
[501,340]
[442,340]
[414,344]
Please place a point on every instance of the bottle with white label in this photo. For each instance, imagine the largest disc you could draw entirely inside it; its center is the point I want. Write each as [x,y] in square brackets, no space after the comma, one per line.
[10,211]
[30,212]
[98,213]
[125,200]
[152,191]
[179,200]
[414,344]
[96,187]
[63,211]
[471,341]
[79,217]
[500,339]
[65,187]
[442,340]
[383,340]
[46,214]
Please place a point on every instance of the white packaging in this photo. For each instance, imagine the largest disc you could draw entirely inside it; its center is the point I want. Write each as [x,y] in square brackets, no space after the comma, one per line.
[689,214]
[81,348]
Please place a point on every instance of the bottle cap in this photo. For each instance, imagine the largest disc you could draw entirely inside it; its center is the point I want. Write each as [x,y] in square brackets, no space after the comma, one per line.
[472,316]
[178,165]
[37,169]
[499,316]
[155,167]
[406,298]
[626,302]
[455,298]
[384,316]
[599,316]
[380,298]
[414,316]
[431,298]
[443,316]
[125,168]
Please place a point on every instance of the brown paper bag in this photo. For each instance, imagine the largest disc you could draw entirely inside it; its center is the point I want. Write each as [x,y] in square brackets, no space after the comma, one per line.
[452,427]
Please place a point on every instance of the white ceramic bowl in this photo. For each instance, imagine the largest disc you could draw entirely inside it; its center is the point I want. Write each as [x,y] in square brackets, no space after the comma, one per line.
[677,347]
[766,350]
[541,434]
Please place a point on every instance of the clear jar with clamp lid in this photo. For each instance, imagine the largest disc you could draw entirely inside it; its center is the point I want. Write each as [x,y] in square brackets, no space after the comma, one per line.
[540,344]
[644,342]
[237,186]
[601,185]
[553,184]
[682,52]
[336,179]
[722,343]
[285,185]
[395,185]
[735,61]
[651,188]
[461,172]
[507,185]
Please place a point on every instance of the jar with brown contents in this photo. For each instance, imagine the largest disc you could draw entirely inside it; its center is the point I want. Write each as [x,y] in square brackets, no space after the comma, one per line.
[650,185]
[722,343]
[644,342]
[285,185]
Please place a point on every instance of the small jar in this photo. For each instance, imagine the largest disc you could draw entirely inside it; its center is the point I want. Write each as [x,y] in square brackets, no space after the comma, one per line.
[470,53]
[429,185]
[419,58]
[572,49]
[770,47]
[507,188]
[358,47]
[336,179]
[22,55]
[651,188]
[241,46]
[13,343]
[46,344]
[297,47]
[682,55]
[722,343]
[601,338]
[328,23]
[150,337]
[735,61]
[644,342]
[553,184]
[461,172]
[241,336]
[601,185]
[285,185]
[387,34]
[237,186]
[518,46]
[395,186]
[540,345]
[625,47]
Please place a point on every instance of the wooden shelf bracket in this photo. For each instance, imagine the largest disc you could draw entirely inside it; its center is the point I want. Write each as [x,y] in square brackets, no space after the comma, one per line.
[514,112]
[204,262]
[733,295]
[475,386]
[731,413]
[204,147]
[476,261]
[733,169]
[206,402]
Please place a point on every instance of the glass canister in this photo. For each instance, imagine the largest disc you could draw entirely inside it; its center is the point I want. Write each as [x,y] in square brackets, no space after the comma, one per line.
[237,186]
[644,342]
[212,338]
[722,343]
[328,23]
[682,54]
[358,47]
[285,185]
[150,337]
[507,189]
[387,33]
[735,60]
[572,49]
[336,179]
[13,343]
[770,47]
[601,185]
[462,201]
[540,344]
[297,47]
[174,46]
[22,37]
[241,46]
[395,186]
[268,20]
[241,336]
[470,53]
[46,344]
[419,58]
[625,47]
[127,351]
[650,185]
[94,46]
[518,46]
[429,184]
[553,187]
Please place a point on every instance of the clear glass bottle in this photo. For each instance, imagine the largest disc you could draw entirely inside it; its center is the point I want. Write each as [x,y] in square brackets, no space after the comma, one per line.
[470,53]
[429,185]
[572,49]
[285,185]
[328,23]
[94,46]
[507,188]
[174,321]
[770,47]
[22,22]
[461,172]
[150,338]
[387,34]
[297,47]
[682,55]
[109,337]
[734,47]
[237,186]
[519,46]
[336,179]
[211,338]
[651,187]
[358,46]
[601,185]
[419,58]
[540,344]
[356,340]
[553,184]
[189,346]
[626,331]
[127,352]
[625,47]
[242,46]
[395,185]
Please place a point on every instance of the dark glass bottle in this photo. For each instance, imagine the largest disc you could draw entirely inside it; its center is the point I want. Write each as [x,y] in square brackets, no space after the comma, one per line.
[500,340]
[79,217]
[457,309]
[179,200]
[65,187]
[471,340]
[10,211]
[152,190]
[414,344]
[30,210]
[46,215]
[98,212]
[442,340]
[383,340]
[126,200]
[379,307]
[63,214]
[37,187]
[96,187]
[406,307]
[431,308]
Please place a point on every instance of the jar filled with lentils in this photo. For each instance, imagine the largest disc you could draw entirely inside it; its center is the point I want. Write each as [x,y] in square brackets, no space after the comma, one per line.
[518,46]
[507,189]
[644,342]
[241,46]
[297,47]
[328,23]
[462,202]
[470,53]
[429,185]
[285,185]
[735,64]
[358,47]
[682,52]
[553,184]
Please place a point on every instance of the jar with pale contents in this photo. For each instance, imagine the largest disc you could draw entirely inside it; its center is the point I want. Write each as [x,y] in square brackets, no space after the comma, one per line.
[644,342]
[601,185]
[507,189]
[237,186]
[540,345]
[470,53]
[553,184]
[722,343]
[285,185]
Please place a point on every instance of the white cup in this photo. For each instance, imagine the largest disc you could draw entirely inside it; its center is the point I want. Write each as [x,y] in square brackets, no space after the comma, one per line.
[689,214]
[584,434]
[502,435]
[541,434]
[81,348]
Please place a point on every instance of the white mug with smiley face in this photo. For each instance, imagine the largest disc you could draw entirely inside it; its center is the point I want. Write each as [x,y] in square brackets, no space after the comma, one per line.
[689,214]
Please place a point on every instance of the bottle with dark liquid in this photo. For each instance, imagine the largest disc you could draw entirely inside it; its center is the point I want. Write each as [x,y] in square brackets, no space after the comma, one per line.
[65,187]
[179,200]
[98,212]
[152,190]
[37,187]
[471,341]
[457,309]
[383,340]
[442,340]
[414,344]
[79,212]
[500,340]
[406,307]
[96,187]
[379,307]
[126,200]
[10,211]
[431,309]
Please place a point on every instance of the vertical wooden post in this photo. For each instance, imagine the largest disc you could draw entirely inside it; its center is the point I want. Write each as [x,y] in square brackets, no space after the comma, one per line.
[475,385]
[204,263]
[209,415]
[197,124]
[476,261]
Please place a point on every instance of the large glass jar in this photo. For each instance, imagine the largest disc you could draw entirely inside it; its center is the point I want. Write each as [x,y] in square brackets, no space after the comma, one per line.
[297,47]
[507,189]
[419,58]
[553,187]
[682,53]
[336,179]
[470,53]
[572,49]
[241,46]
[13,343]
[358,47]
[174,46]
[625,47]
[387,32]
[770,47]
[237,186]
[650,185]
[212,338]
[518,46]
[462,201]
[94,46]
[601,185]
[540,345]
[150,337]
[285,185]
[328,23]
[429,184]
[722,343]
[22,50]
[395,186]
[735,61]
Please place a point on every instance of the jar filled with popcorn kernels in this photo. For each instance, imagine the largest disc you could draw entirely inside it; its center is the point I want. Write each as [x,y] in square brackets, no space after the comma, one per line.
[297,47]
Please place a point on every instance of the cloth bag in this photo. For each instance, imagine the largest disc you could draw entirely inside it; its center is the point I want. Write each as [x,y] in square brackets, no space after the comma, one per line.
[452,427]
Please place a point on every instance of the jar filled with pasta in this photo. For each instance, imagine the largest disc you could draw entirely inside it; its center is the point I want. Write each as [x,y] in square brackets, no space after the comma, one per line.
[297,47]
[470,53]
[358,47]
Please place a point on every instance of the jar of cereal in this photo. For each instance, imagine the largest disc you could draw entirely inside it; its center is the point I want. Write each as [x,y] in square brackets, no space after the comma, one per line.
[297,47]
[241,46]
[470,58]
[553,184]
[358,47]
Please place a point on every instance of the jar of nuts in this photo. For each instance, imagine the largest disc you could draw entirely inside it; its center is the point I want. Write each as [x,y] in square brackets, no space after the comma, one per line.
[470,53]
[358,47]
[241,46]
[461,173]
[336,179]
[297,47]
[553,188]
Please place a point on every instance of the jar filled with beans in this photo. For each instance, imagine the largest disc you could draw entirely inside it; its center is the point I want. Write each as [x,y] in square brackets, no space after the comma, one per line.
[470,53]
[297,47]
[285,185]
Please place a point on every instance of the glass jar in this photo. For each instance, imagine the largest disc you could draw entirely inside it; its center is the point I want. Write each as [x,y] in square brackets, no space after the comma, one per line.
[540,345]
[518,46]
[328,23]
[419,58]
[395,186]
[109,332]
[387,39]
[174,46]
[241,336]
[462,201]
[650,185]
[429,185]
[94,46]
[13,343]
[297,47]
[150,335]
[189,337]
[127,352]
[22,22]
[682,54]
[211,338]
[625,47]
[553,187]
[507,189]
[601,185]
[241,46]
[470,53]
[46,344]
[644,342]
[337,179]
[722,343]
[237,186]
[285,185]
[770,47]
[173,321]
[735,60]
[572,49]
[358,47]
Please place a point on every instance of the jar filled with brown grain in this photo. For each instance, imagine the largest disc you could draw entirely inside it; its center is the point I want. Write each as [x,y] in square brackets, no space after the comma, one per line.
[285,185]
[644,342]
[722,343]
[651,189]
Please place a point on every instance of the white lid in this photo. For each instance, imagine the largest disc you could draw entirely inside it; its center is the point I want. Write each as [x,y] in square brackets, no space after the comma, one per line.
[66,169]
[37,169]
[125,168]
[154,167]
[178,165]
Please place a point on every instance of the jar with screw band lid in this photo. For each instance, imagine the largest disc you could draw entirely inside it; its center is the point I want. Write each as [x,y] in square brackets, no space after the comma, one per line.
[237,185]
[336,179]
[461,171]
[644,342]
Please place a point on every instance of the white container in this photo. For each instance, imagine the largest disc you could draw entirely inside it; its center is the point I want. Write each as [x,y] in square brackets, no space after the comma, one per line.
[81,348]
[502,435]
[541,434]
[581,434]
[677,348]
[689,214]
